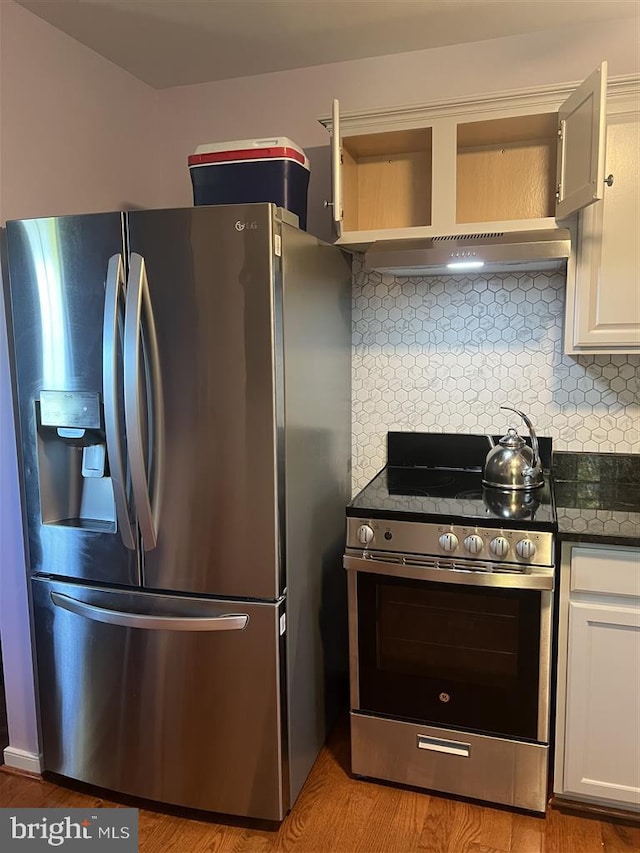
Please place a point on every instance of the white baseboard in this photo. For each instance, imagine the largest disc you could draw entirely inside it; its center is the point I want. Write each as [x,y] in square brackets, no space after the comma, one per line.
[23,760]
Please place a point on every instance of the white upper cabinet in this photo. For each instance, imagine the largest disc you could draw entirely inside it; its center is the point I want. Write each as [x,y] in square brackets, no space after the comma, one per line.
[603,279]
[581,153]
[511,162]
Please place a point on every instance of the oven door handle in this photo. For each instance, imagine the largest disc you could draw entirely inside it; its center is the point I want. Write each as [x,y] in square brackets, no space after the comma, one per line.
[468,577]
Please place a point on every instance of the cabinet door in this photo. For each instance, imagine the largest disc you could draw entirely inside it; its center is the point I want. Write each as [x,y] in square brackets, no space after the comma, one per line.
[602,742]
[582,128]
[336,168]
[603,311]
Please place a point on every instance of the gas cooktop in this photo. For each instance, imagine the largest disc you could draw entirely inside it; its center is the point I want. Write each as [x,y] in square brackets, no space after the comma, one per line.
[437,477]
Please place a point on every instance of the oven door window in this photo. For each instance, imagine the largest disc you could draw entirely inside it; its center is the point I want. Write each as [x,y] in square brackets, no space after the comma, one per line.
[450,655]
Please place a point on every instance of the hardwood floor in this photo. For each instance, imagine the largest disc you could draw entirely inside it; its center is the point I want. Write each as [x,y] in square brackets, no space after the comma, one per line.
[337,814]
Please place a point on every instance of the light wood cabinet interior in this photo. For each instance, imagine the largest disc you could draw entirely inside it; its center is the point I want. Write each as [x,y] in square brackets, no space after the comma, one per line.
[505,171]
[506,168]
[387,180]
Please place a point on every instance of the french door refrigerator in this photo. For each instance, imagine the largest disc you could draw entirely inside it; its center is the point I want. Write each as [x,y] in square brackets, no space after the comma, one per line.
[182,379]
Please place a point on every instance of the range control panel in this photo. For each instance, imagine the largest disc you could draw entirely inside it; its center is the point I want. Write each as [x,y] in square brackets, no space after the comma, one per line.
[495,545]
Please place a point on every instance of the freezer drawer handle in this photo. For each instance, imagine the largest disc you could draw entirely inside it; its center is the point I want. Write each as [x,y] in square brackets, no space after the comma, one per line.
[114,286]
[146,478]
[228,622]
[451,747]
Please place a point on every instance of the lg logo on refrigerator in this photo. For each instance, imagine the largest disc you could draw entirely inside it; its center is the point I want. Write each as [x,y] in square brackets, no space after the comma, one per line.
[241,226]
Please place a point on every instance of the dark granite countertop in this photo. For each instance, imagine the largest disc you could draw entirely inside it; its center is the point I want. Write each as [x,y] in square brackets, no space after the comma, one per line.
[598,497]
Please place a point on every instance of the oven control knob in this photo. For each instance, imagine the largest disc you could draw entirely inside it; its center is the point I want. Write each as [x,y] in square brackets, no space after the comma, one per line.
[473,544]
[525,549]
[365,534]
[499,546]
[448,541]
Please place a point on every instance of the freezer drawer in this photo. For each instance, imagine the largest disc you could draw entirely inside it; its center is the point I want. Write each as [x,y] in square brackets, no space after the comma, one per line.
[175,699]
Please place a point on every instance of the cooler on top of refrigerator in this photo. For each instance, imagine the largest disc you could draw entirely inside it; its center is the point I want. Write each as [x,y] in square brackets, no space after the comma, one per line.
[252,170]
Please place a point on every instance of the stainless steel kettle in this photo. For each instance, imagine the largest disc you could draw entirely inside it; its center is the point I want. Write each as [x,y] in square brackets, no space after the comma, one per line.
[512,464]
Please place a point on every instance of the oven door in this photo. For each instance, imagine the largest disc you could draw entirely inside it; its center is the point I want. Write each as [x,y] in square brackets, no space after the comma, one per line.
[462,650]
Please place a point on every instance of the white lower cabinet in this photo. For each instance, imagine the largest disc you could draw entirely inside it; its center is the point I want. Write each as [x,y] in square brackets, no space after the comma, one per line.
[598,698]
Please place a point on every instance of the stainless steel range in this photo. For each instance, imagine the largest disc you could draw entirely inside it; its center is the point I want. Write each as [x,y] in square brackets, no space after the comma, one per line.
[450,623]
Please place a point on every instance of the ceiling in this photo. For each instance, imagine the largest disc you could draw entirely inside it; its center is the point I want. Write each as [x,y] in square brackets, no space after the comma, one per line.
[180,42]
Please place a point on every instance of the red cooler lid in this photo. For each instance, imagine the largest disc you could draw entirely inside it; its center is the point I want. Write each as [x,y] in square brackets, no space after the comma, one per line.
[279,148]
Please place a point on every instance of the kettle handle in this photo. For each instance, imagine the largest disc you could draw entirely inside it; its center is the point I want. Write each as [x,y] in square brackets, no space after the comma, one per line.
[534,438]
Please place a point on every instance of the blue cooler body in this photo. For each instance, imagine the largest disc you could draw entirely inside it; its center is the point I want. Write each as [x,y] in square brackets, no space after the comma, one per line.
[248,171]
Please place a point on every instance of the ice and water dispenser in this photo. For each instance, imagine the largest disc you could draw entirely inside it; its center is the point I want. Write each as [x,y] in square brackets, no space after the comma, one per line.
[75,487]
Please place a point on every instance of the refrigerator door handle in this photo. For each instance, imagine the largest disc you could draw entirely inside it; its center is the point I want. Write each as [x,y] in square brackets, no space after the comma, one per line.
[114,286]
[146,481]
[227,622]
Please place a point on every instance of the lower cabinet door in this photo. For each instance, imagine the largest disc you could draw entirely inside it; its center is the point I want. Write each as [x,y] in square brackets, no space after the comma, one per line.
[172,698]
[602,744]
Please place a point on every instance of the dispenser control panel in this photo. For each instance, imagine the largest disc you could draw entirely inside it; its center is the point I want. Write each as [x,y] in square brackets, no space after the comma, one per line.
[80,409]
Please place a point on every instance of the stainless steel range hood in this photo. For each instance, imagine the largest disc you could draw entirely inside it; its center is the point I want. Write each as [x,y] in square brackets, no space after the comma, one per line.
[471,254]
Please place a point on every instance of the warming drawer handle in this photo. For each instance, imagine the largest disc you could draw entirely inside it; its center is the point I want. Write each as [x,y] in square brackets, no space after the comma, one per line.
[228,622]
[451,747]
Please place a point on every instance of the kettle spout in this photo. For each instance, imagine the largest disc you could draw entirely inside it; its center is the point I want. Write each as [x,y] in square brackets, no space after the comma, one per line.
[492,443]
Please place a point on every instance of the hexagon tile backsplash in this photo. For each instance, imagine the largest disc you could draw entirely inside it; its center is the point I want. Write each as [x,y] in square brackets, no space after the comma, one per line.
[443,354]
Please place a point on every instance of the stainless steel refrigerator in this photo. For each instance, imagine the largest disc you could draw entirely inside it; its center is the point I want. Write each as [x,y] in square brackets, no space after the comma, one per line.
[182,379]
